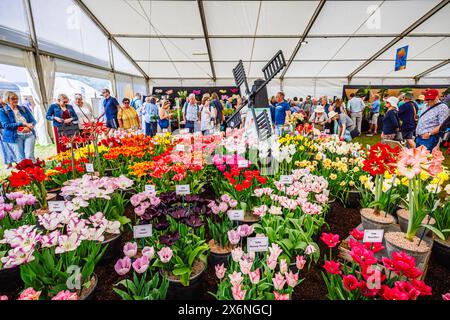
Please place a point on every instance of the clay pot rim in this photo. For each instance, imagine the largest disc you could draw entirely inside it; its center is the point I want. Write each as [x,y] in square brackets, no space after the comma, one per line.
[218,253]
[386,237]
[377,221]
[424,221]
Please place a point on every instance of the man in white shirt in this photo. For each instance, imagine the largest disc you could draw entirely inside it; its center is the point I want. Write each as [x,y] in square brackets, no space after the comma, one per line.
[356,107]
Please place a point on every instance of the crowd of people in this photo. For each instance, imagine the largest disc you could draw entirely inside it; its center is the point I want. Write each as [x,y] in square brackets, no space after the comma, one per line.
[420,121]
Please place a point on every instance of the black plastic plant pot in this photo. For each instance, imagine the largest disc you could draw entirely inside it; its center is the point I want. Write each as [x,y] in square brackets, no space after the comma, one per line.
[10,279]
[89,294]
[113,251]
[218,258]
[441,252]
[194,291]
[354,198]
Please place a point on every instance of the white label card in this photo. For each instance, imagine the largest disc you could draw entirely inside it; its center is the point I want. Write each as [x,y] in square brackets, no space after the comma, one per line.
[242,163]
[150,188]
[142,231]
[257,244]
[164,130]
[56,206]
[286,179]
[182,189]
[373,235]
[236,215]
[90,167]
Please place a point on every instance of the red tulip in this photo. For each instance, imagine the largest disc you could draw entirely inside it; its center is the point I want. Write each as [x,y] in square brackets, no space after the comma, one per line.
[350,282]
[239,187]
[357,234]
[331,240]
[332,267]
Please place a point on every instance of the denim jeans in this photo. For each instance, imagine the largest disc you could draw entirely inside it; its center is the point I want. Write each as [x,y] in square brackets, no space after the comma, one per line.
[25,147]
[279,129]
[428,143]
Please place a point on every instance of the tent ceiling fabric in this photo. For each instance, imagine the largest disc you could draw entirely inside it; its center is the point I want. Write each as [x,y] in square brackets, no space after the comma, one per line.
[166,38]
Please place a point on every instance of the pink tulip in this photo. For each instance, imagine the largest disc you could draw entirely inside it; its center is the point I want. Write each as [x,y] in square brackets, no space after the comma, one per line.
[140,265]
[291,279]
[300,262]
[29,294]
[3,298]
[310,249]
[66,295]
[278,281]
[245,266]
[275,250]
[233,203]
[233,237]
[245,230]
[165,254]
[149,252]
[220,271]
[122,266]
[271,262]
[238,293]
[225,198]
[236,254]
[235,278]
[280,296]
[446,296]
[223,207]
[16,214]
[255,276]
[130,249]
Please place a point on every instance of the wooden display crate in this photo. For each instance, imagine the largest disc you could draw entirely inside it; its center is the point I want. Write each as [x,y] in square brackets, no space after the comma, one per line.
[344,250]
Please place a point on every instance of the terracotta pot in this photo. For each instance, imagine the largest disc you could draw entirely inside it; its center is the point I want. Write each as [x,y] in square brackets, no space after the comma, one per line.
[396,241]
[403,218]
[177,291]
[441,252]
[114,249]
[370,221]
[10,279]
[89,293]
[249,219]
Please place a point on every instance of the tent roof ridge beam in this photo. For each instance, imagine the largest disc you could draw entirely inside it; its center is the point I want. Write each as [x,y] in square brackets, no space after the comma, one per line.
[105,31]
[405,33]
[424,73]
[274,36]
[201,10]
[303,36]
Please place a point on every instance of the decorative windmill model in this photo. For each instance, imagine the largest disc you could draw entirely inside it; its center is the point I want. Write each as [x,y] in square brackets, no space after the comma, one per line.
[258,119]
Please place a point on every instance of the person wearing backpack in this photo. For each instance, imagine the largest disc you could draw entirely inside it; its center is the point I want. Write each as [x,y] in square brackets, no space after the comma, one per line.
[217,105]
[191,112]
[428,131]
[390,120]
[407,115]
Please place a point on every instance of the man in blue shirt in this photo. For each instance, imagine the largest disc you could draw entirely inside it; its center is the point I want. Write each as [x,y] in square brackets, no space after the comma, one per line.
[111,108]
[282,109]
[151,116]
[374,114]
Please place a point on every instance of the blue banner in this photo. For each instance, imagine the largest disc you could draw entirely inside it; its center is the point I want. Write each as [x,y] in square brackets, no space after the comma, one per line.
[401,57]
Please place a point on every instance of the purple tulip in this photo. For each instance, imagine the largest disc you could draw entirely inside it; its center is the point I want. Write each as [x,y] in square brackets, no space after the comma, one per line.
[169,238]
[194,221]
[140,265]
[122,266]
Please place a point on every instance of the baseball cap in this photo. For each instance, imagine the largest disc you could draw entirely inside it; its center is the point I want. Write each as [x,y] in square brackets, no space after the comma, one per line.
[431,94]
[409,95]
[392,100]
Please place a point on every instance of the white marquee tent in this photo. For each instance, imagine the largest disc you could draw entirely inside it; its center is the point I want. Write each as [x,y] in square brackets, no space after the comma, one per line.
[144,43]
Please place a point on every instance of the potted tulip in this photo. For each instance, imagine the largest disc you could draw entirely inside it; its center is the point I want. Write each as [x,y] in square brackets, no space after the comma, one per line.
[375,197]
[411,163]
[145,283]
[219,225]
[251,277]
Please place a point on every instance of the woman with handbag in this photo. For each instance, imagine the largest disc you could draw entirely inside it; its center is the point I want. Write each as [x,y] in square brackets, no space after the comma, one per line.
[18,129]
[64,120]
[391,126]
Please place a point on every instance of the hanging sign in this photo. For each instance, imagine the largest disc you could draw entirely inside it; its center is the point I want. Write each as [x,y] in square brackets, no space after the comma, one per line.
[401,57]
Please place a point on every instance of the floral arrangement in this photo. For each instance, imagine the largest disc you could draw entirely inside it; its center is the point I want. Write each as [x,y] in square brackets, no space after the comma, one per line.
[250,277]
